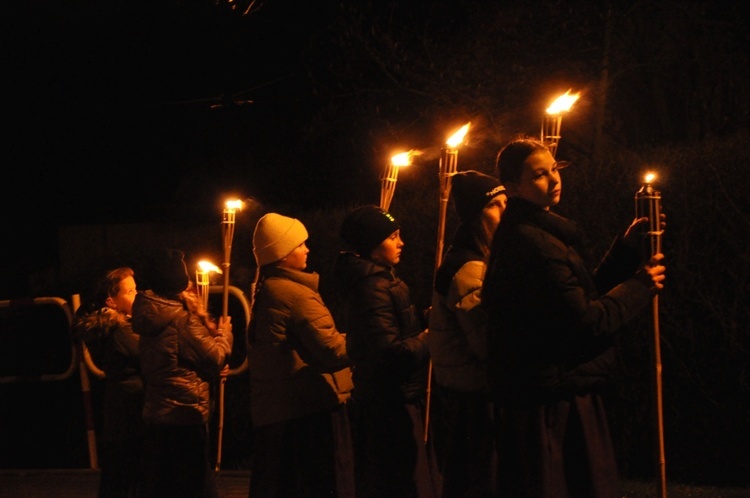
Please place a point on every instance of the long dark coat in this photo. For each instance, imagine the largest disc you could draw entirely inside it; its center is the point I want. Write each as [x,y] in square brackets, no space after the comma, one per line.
[551,322]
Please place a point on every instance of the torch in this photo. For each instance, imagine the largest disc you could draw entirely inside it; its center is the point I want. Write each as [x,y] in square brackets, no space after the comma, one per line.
[448,167]
[227,229]
[648,204]
[552,120]
[390,175]
[203,280]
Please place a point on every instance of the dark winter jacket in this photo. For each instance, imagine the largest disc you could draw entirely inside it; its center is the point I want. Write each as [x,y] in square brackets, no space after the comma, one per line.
[458,324]
[179,356]
[113,347]
[385,338]
[551,320]
[297,361]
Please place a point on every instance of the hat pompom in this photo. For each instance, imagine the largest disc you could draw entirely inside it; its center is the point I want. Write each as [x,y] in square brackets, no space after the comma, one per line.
[366,227]
[471,191]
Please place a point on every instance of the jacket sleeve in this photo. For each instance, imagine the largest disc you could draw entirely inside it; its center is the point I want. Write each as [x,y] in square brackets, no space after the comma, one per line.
[570,289]
[380,322]
[464,295]
[314,328]
[126,341]
[198,346]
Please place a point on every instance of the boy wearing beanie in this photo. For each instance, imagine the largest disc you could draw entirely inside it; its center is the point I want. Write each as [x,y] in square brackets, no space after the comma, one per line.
[388,346]
[458,339]
[181,350]
[299,373]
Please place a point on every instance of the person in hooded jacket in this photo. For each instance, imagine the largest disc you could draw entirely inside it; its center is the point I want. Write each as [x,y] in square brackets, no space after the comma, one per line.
[550,334]
[300,378]
[458,340]
[182,351]
[387,342]
[103,324]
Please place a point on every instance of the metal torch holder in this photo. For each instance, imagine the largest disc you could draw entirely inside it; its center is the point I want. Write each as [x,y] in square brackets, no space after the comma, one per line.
[203,282]
[388,186]
[648,203]
[551,126]
[448,167]
[227,228]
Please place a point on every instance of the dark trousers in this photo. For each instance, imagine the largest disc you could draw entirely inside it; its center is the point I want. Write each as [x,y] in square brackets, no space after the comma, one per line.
[466,443]
[176,463]
[560,449]
[306,457]
[391,458]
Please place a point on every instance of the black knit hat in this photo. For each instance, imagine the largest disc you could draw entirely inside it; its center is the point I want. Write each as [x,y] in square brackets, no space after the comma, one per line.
[366,227]
[471,191]
[168,273]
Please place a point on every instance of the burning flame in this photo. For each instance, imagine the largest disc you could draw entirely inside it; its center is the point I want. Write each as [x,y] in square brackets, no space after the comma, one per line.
[404,158]
[233,204]
[207,266]
[649,177]
[457,138]
[563,103]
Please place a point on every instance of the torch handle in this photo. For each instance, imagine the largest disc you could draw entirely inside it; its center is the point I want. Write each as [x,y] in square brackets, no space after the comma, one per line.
[648,204]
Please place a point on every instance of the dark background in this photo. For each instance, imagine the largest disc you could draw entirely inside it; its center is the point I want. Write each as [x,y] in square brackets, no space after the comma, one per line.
[129,122]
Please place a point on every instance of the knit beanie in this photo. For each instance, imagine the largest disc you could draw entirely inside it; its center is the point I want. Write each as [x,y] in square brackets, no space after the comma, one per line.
[168,273]
[366,227]
[276,236]
[471,191]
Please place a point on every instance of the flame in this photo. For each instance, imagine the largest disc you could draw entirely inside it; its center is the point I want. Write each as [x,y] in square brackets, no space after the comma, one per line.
[649,177]
[207,266]
[233,204]
[457,138]
[404,158]
[563,103]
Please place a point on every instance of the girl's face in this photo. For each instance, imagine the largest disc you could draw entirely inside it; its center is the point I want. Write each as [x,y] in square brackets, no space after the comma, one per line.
[540,181]
[123,300]
[388,253]
[493,211]
[297,259]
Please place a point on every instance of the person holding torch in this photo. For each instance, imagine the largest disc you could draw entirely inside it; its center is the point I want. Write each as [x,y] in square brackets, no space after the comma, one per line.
[387,342]
[182,349]
[300,380]
[458,339]
[550,334]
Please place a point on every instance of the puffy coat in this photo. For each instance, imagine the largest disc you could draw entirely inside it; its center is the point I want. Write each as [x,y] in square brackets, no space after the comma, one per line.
[297,360]
[458,324]
[552,319]
[179,356]
[113,346]
[385,338]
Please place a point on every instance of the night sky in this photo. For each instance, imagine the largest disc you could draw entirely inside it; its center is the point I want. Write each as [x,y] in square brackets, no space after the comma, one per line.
[121,112]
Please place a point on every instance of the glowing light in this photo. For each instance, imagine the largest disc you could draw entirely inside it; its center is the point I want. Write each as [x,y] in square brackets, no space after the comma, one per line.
[457,138]
[207,266]
[404,158]
[233,204]
[563,103]
[649,177]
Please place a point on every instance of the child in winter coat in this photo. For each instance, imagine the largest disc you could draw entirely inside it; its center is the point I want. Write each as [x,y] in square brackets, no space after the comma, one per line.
[103,324]
[182,351]
[300,379]
[387,342]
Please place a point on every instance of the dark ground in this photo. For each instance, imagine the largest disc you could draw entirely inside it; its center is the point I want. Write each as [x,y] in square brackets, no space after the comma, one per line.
[82,483]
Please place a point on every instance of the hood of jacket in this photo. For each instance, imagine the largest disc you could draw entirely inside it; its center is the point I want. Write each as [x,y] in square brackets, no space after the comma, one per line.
[94,326]
[350,268]
[151,313]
